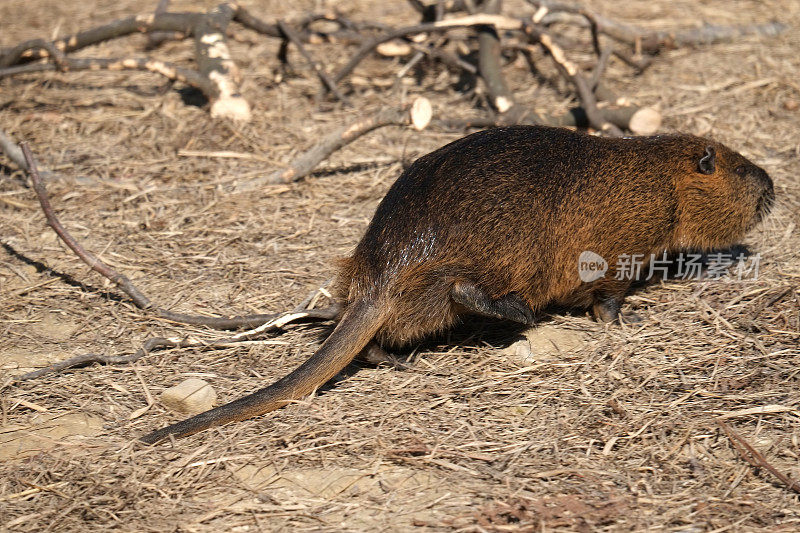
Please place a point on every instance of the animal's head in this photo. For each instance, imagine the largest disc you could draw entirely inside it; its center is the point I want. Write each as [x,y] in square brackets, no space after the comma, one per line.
[721,195]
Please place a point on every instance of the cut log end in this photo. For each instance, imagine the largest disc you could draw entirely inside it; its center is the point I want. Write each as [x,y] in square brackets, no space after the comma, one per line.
[645,121]
[232,107]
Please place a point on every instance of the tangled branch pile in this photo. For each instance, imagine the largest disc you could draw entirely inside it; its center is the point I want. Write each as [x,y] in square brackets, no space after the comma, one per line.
[478,53]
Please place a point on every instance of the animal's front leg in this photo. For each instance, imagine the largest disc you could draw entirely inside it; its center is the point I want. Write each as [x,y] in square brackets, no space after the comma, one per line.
[607,304]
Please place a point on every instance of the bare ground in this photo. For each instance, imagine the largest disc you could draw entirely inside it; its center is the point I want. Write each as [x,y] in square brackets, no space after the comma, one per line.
[607,428]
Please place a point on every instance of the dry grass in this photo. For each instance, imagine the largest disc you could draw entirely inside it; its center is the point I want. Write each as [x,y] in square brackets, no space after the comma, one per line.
[618,435]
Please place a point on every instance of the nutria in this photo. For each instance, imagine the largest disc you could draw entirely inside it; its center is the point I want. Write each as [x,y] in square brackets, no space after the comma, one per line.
[494,224]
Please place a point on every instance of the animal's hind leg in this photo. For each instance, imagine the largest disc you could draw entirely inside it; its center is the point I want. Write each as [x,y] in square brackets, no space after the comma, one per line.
[510,307]
[374,354]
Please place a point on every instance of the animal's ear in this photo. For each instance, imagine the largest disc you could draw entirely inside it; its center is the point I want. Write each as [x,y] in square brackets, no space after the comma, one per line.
[708,163]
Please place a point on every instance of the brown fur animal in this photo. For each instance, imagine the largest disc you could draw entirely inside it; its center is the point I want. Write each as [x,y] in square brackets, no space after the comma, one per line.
[494,224]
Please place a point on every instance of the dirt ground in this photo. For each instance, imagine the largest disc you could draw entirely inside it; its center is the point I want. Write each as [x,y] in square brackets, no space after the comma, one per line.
[600,428]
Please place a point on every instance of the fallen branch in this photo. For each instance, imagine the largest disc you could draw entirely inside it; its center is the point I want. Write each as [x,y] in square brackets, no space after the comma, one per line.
[168,70]
[708,35]
[125,285]
[752,456]
[214,62]
[500,95]
[307,161]
[218,78]
[639,120]
[183,23]
[176,25]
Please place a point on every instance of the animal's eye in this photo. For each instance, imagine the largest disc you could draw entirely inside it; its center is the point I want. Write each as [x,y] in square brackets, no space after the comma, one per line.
[741,170]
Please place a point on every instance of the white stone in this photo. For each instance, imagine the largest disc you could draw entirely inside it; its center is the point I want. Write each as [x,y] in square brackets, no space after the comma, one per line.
[189,397]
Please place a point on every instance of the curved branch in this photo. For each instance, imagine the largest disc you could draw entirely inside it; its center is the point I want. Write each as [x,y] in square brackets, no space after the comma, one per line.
[182,23]
[276,322]
[125,285]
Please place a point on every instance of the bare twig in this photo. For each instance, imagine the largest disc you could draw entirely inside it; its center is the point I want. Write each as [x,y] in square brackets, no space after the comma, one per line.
[321,74]
[498,21]
[652,41]
[408,66]
[752,456]
[139,299]
[87,257]
[40,46]
[637,61]
[600,67]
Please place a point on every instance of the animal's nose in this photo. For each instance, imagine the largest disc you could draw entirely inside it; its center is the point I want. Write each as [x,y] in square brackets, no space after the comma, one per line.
[764,179]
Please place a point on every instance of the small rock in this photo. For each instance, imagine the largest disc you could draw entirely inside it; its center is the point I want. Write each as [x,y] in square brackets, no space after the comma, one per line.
[190,397]
[520,350]
[542,343]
